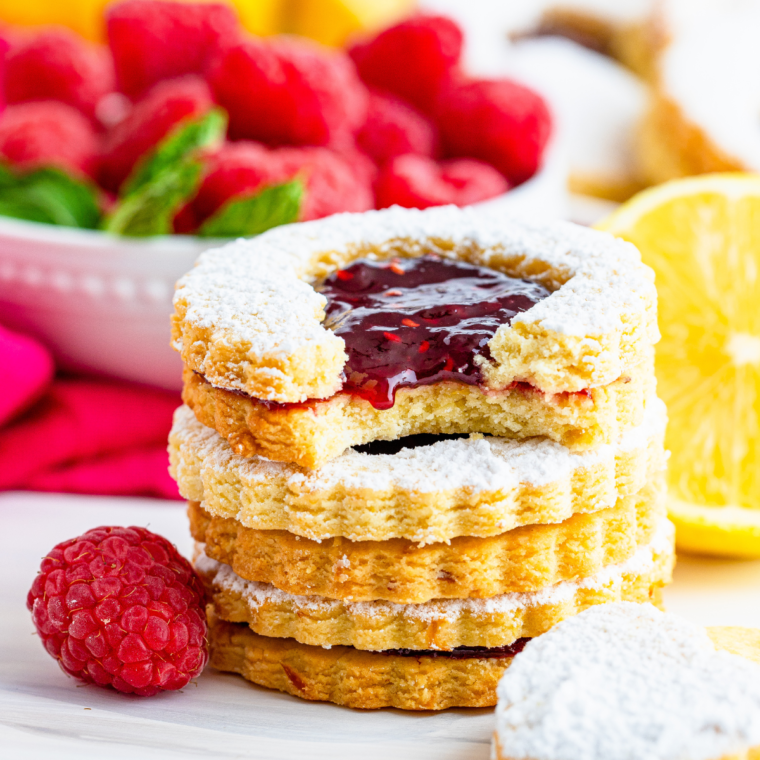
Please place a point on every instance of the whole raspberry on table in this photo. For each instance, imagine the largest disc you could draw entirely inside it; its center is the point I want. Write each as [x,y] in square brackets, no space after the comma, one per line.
[47,133]
[57,64]
[153,40]
[288,92]
[419,182]
[495,120]
[393,128]
[152,118]
[410,59]
[121,607]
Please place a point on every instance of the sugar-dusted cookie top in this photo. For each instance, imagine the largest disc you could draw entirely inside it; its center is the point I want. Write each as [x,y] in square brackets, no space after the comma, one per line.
[248,317]
[626,682]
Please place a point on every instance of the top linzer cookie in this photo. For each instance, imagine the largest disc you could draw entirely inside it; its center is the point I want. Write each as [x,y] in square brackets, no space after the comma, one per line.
[318,336]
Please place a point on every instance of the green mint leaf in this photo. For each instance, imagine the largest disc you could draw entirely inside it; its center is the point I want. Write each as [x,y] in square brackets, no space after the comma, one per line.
[7,176]
[49,195]
[176,147]
[151,209]
[254,214]
[23,208]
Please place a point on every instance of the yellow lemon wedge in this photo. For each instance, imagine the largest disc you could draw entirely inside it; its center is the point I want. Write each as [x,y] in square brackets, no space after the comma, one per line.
[333,22]
[701,236]
[86,16]
[83,16]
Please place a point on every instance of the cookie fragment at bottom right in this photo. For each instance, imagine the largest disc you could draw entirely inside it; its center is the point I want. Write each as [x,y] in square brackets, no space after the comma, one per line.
[623,681]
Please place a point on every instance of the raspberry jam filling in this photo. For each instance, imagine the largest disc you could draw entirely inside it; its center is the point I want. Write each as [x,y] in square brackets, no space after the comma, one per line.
[413,322]
[464,653]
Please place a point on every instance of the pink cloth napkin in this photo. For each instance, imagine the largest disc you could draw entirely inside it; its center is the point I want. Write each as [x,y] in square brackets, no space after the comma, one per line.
[79,435]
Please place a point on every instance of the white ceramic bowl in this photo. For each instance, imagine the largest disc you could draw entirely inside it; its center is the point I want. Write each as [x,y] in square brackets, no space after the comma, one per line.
[102,303]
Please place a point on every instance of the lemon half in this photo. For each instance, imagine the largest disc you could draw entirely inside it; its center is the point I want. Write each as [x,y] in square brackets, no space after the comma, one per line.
[701,236]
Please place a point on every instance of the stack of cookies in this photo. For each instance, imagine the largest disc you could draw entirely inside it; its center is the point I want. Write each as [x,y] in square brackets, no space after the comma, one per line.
[413,440]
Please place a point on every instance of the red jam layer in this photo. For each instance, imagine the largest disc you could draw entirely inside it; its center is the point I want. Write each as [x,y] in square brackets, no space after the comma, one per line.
[276,406]
[420,321]
[464,653]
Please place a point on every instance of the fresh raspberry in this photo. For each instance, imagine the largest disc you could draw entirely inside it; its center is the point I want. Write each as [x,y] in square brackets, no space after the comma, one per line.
[162,108]
[333,185]
[419,182]
[363,167]
[496,120]
[120,607]
[394,128]
[58,65]
[288,91]
[238,169]
[153,40]
[410,59]
[47,133]
[185,221]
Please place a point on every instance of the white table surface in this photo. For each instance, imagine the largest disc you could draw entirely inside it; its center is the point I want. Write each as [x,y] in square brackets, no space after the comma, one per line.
[44,714]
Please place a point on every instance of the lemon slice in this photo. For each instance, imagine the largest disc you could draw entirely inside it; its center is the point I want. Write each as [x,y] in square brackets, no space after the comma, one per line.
[702,238]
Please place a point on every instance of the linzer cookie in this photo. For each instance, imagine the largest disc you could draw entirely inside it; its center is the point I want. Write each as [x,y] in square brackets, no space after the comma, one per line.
[524,559]
[407,679]
[440,624]
[421,488]
[423,677]
[623,680]
[316,337]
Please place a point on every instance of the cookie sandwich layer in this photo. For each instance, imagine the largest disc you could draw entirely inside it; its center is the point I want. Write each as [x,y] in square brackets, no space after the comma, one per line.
[524,559]
[248,317]
[468,487]
[441,623]
[312,433]
[352,677]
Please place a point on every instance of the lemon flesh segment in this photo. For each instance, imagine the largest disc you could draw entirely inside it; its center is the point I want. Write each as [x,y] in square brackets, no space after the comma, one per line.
[334,22]
[702,238]
[719,531]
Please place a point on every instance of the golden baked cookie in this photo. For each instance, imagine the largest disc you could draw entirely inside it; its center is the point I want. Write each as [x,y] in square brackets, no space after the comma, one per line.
[619,29]
[314,337]
[623,681]
[247,317]
[524,559]
[671,145]
[441,623]
[702,116]
[313,433]
[351,677]
[468,487]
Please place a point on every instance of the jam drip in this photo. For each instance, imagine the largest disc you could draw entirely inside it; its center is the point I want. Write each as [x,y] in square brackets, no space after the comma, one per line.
[464,653]
[412,322]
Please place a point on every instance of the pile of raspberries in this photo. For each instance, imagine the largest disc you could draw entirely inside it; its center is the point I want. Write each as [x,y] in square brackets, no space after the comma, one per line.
[391,120]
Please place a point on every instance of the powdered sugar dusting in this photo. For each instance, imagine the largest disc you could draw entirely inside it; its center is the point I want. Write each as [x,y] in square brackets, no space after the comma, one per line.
[257,594]
[625,681]
[475,463]
[249,291]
